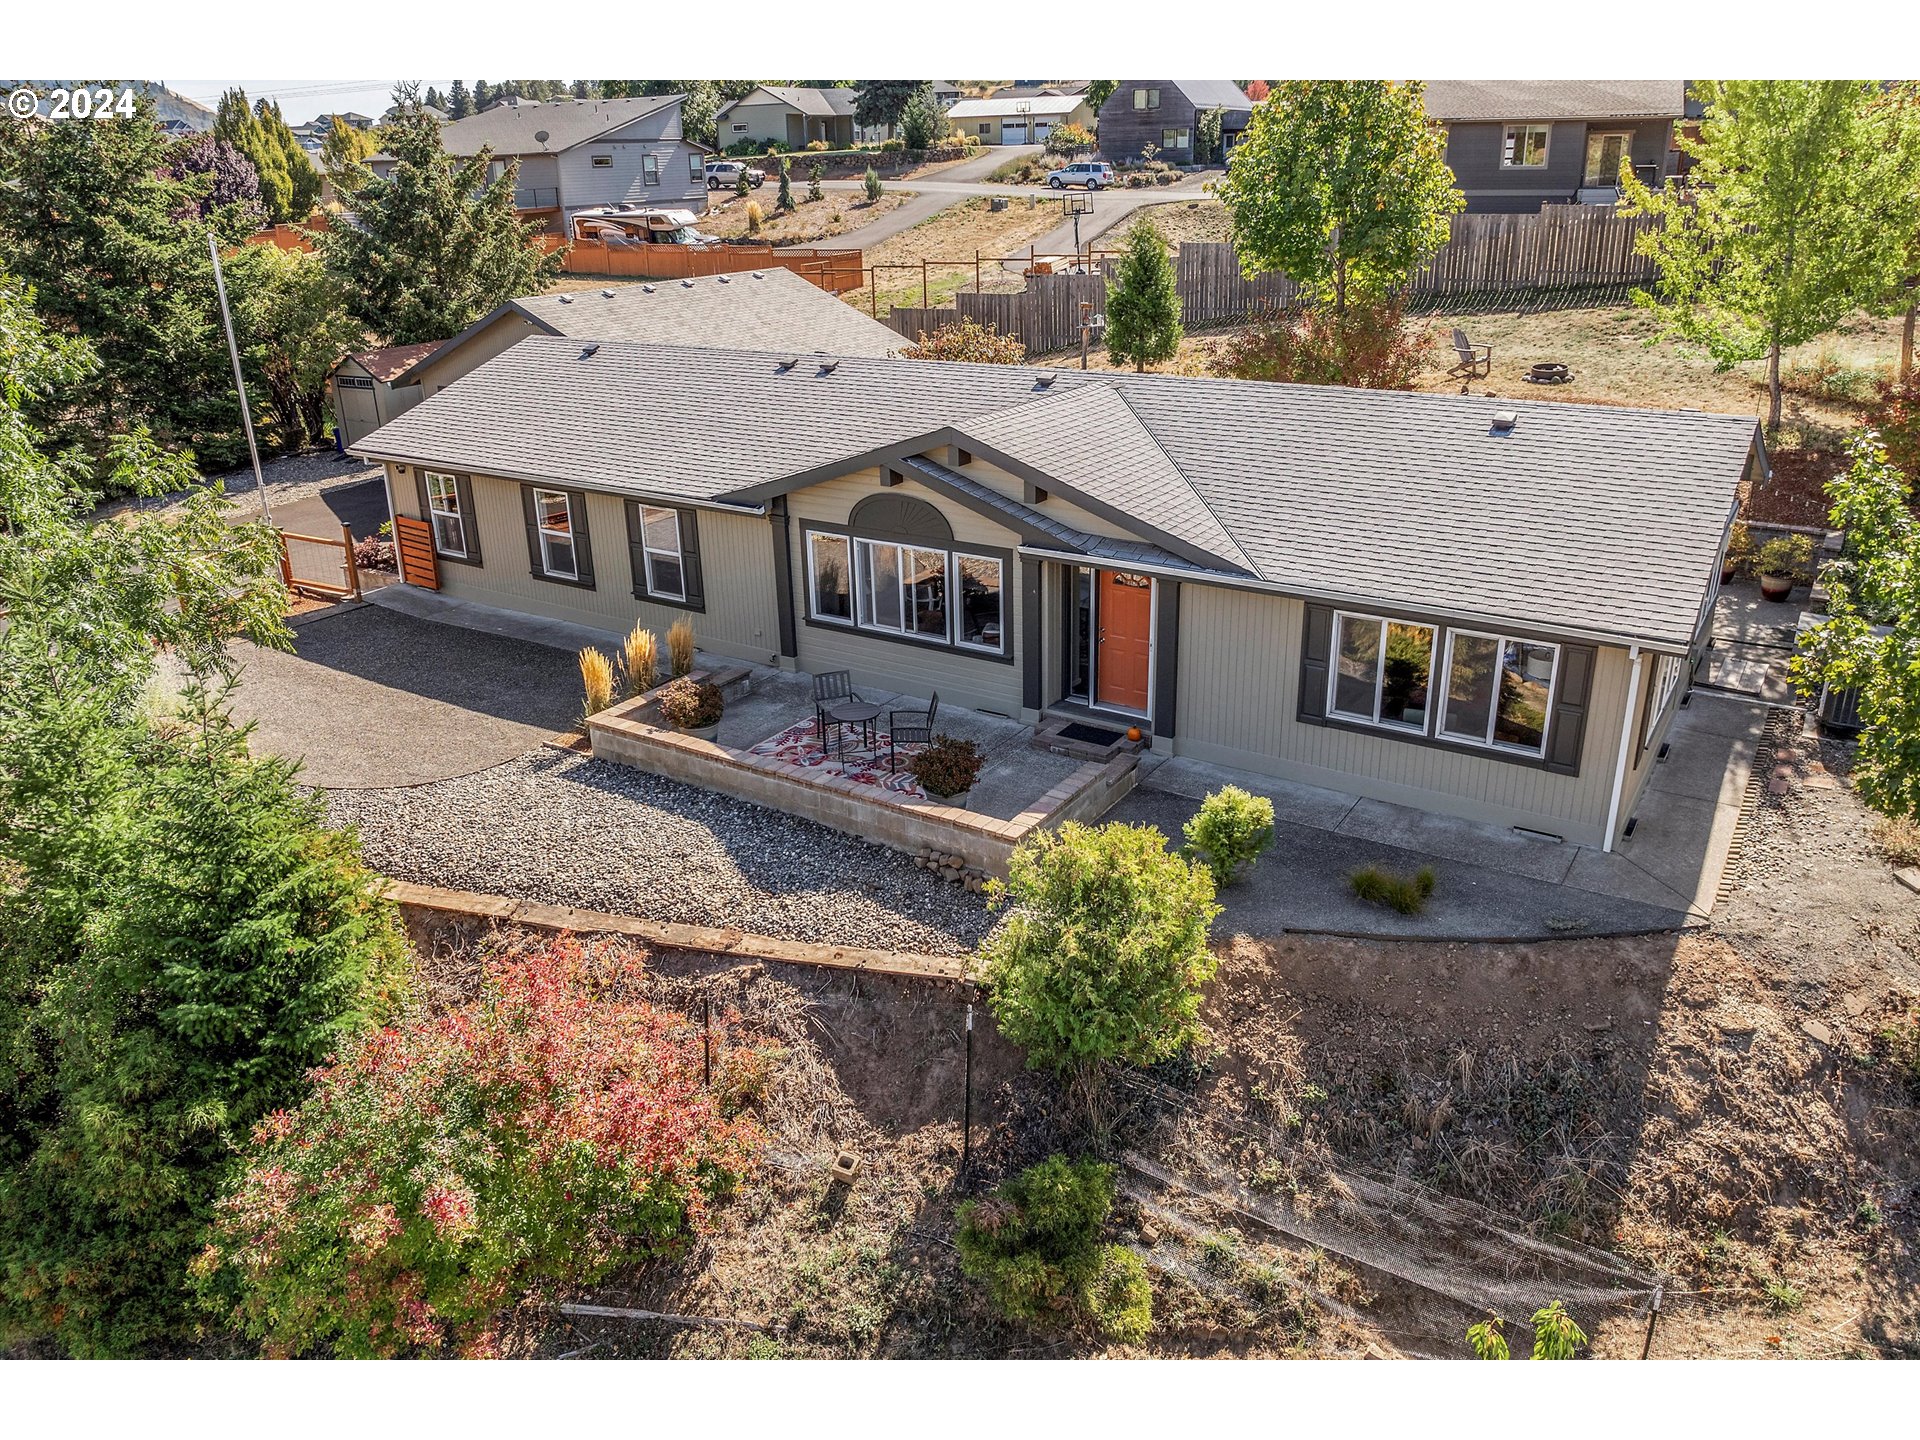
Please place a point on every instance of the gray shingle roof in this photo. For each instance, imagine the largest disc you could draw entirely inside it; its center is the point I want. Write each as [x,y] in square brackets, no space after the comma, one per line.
[1214,95]
[818,101]
[509,129]
[1586,519]
[1555,99]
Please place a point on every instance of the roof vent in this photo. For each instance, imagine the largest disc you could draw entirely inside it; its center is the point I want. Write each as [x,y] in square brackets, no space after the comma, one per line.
[606,294]
[590,351]
[726,279]
[686,284]
[566,299]
[646,289]
[827,367]
[786,365]
[1504,421]
[1045,382]
[758,276]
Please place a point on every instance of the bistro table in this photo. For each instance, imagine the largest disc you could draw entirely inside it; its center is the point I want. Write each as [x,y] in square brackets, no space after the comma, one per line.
[854,712]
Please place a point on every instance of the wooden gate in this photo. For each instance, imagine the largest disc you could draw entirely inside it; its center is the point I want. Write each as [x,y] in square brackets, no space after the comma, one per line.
[413,544]
[320,565]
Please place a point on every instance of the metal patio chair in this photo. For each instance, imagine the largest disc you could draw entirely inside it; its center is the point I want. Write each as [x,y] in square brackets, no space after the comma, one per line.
[830,687]
[910,727]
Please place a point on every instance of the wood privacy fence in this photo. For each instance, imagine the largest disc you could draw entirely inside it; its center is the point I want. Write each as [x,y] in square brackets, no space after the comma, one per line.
[837,271]
[1515,258]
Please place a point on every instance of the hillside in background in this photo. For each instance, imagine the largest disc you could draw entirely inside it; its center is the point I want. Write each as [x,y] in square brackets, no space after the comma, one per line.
[167,105]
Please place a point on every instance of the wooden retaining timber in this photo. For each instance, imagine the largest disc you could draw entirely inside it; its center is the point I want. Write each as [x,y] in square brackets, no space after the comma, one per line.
[701,939]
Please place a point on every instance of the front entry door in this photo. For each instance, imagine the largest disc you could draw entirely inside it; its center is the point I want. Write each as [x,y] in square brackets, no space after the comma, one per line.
[1125,618]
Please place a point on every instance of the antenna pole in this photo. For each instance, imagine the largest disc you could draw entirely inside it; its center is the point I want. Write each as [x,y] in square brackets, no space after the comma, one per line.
[239,384]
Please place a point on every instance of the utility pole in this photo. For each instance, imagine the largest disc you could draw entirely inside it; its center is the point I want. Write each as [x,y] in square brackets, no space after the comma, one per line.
[239,384]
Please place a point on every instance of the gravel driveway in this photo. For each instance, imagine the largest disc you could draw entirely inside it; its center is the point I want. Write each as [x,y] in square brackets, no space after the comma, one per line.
[567,830]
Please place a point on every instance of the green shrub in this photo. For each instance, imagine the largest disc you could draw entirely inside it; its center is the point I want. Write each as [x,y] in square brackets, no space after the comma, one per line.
[1788,555]
[1035,1244]
[871,183]
[893,146]
[947,767]
[1555,1336]
[1229,831]
[1104,950]
[1396,892]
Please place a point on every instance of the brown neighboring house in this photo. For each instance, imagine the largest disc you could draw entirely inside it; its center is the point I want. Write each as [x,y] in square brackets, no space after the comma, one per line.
[1166,114]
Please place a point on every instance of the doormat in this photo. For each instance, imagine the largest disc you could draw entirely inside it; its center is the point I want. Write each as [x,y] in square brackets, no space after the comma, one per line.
[1090,734]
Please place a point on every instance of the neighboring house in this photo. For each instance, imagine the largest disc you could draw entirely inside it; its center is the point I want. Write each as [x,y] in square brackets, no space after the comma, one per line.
[1023,90]
[371,387]
[1405,596]
[1165,114]
[575,154]
[946,93]
[1018,119]
[792,115]
[1515,145]
[761,309]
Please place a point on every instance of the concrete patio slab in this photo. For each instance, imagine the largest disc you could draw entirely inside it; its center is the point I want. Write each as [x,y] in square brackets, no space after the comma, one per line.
[1455,839]
[1297,804]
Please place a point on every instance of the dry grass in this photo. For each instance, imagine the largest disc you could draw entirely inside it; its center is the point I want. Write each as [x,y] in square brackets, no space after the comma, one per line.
[837,214]
[680,647]
[1898,839]
[642,650]
[596,676]
[954,235]
[1179,220]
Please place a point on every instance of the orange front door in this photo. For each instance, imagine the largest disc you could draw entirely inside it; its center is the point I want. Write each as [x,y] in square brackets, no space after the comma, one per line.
[1125,618]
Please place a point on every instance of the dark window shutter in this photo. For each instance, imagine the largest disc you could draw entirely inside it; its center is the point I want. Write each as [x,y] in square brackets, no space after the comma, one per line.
[690,560]
[582,536]
[636,548]
[469,517]
[1569,733]
[1316,659]
[533,531]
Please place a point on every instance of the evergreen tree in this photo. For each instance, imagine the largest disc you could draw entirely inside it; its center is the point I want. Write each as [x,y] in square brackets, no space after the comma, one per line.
[1143,306]
[294,326]
[303,180]
[434,99]
[921,122]
[239,124]
[483,96]
[885,102]
[785,201]
[437,245]
[458,105]
[346,150]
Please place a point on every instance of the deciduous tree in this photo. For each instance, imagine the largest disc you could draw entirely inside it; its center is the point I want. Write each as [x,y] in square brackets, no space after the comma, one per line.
[1099,92]
[1143,303]
[1801,208]
[1342,185]
[293,319]
[345,152]
[969,341]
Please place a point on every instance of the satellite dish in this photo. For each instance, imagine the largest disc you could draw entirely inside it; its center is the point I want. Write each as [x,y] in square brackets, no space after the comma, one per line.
[541,136]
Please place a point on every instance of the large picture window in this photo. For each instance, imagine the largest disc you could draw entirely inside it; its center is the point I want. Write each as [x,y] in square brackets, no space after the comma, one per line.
[916,592]
[553,515]
[1382,670]
[1525,147]
[660,541]
[1499,691]
[449,523]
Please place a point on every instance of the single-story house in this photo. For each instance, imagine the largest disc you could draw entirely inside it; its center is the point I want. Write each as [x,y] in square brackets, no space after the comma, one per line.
[575,154]
[791,115]
[759,309]
[371,387]
[1515,145]
[1018,119]
[1165,114]
[1484,608]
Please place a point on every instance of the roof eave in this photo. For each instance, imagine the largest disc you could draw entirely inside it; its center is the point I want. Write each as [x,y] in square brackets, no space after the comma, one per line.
[364,451]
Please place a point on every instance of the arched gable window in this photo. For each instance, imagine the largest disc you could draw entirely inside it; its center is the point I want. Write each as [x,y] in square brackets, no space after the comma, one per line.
[895,571]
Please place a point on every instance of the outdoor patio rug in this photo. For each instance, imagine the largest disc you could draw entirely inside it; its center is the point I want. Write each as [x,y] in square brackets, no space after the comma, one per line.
[798,745]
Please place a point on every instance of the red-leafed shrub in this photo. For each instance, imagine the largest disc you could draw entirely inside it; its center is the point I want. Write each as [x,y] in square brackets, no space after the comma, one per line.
[1896,415]
[1368,346]
[374,554]
[447,1167]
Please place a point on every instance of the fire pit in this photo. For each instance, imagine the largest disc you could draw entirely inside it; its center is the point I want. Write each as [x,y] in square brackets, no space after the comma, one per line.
[1549,372]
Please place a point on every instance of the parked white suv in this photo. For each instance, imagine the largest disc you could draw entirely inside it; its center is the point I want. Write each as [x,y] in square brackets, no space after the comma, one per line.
[725,174]
[1094,174]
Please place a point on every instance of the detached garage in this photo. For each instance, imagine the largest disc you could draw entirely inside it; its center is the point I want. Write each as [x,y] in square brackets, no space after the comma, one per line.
[1018,119]
[371,387]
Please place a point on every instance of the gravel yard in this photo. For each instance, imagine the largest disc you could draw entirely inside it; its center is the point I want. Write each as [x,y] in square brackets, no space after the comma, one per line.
[563,829]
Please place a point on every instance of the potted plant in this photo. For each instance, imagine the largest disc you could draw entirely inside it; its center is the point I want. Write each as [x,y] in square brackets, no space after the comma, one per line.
[692,706]
[1737,564]
[1783,563]
[947,768]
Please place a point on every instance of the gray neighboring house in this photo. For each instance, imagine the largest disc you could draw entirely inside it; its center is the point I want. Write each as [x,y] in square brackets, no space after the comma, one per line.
[1165,114]
[757,309]
[792,115]
[1515,145]
[1483,608]
[575,154]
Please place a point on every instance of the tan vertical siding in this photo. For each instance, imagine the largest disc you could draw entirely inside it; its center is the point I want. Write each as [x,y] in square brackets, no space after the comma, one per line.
[976,682]
[1239,681]
[508,330]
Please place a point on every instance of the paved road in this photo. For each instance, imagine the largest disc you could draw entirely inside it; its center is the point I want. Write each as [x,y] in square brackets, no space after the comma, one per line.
[362,505]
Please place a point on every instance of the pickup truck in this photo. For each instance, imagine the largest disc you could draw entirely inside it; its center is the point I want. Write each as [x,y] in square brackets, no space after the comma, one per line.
[725,174]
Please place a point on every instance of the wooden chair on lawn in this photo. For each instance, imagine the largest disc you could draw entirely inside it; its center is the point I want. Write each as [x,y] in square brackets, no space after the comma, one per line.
[910,727]
[1475,362]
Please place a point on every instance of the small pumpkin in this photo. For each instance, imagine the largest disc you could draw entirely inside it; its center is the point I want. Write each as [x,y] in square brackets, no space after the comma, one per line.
[1133,732]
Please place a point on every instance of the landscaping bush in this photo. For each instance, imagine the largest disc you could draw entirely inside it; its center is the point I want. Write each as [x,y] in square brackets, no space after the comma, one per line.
[1103,952]
[816,145]
[445,1168]
[1069,139]
[1826,376]
[689,704]
[374,554]
[642,649]
[1789,555]
[1229,831]
[814,192]
[1396,892]
[947,767]
[892,146]
[680,647]
[756,217]
[1035,1244]
[970,341]
[1896,417]
[1369,346]
[1898,837]
[596,677]
[1740,552]
[1555,1336]
[871,182]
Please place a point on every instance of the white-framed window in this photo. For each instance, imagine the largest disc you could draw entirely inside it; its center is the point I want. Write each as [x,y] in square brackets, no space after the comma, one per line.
[650,168]
[829,578]
[1175,140]
[603,162]
[950,597]
[660,543]
[739,129]
[1525,146]
[901,589]
[553,517]
[443,509]
[978,622]
[1499,691]
[696,166]
[1146,99]
[1382,671]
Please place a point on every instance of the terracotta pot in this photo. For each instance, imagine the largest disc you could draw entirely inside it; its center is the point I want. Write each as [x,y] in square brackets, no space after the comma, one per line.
[1776,587]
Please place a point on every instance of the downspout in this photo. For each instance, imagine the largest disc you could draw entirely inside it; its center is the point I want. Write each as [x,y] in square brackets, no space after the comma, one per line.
[1626,748]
